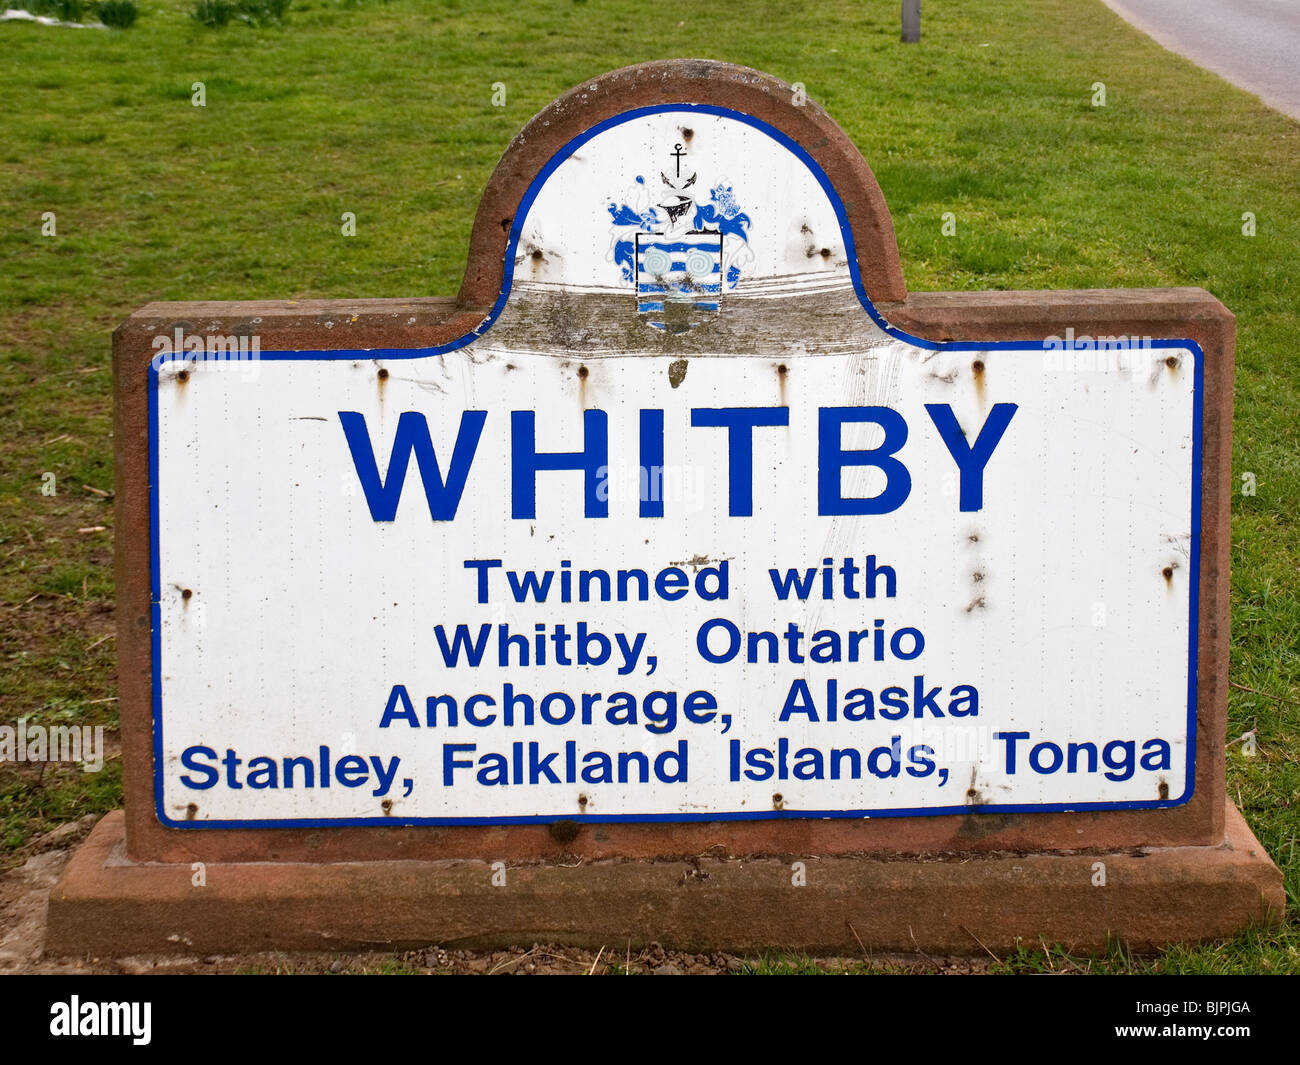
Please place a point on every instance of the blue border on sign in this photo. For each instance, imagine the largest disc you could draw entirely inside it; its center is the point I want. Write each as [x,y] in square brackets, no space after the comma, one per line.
[850,248]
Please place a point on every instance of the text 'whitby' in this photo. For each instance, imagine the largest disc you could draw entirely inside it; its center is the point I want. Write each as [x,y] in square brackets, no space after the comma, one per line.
[744,432]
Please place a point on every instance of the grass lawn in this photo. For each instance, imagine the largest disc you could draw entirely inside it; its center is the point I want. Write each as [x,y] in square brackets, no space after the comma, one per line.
[385,110]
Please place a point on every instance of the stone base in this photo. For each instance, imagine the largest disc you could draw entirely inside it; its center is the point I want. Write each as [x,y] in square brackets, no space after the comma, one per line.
[105,905]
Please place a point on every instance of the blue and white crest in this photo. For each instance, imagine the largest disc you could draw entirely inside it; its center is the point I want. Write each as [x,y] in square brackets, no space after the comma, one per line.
[680,250]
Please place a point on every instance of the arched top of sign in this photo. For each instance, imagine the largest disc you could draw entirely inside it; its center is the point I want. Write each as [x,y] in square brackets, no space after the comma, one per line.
[682,181]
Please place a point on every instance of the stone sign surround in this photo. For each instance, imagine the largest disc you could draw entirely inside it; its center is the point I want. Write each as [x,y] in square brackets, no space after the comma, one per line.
[987,525]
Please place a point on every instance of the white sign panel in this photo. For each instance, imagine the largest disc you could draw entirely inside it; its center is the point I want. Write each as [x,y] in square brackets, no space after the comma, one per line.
[833,572]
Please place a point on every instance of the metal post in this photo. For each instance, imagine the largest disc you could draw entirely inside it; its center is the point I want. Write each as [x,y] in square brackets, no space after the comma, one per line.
[911,21]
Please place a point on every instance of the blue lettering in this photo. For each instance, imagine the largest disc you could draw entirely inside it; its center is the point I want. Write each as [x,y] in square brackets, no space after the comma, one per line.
[412,436]
[739,423]
[832,458]
[525,462]
[971,459]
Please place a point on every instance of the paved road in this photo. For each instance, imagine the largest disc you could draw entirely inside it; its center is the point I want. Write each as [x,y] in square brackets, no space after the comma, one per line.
[1252,43]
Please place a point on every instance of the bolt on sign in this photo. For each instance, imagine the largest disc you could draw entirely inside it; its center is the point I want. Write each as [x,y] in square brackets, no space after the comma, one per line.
[683,528]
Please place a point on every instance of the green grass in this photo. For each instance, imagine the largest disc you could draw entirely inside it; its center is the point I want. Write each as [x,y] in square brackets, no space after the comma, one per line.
[384,110]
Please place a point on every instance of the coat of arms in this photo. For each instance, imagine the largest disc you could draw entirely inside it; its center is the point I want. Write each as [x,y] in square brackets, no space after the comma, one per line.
[681,251]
